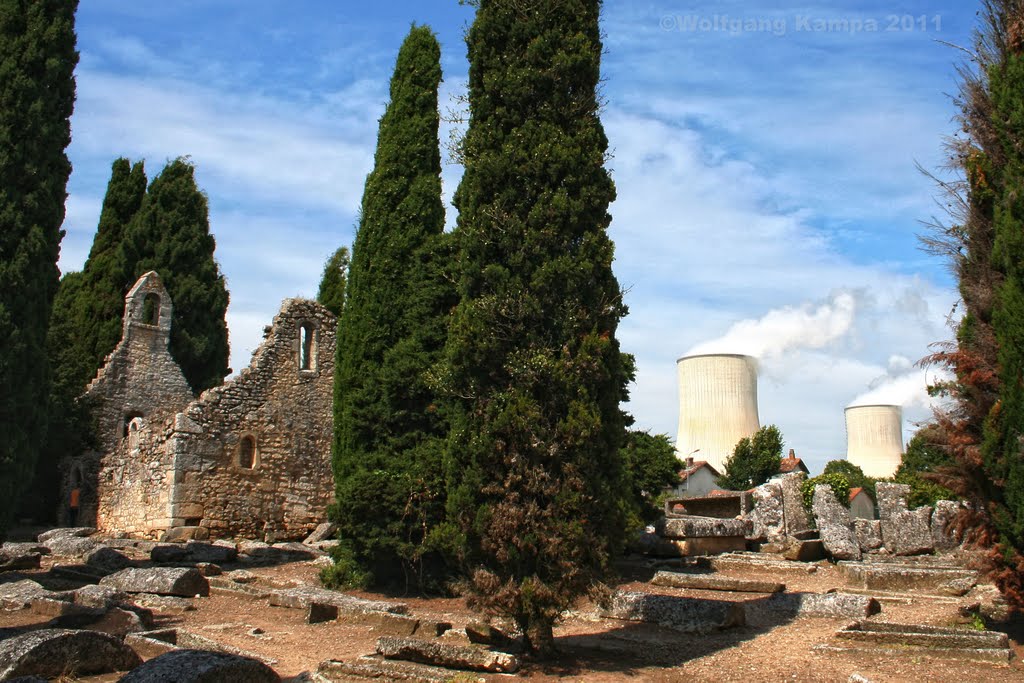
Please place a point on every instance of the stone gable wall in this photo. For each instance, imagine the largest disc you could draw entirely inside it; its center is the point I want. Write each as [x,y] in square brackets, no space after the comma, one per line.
[188,471]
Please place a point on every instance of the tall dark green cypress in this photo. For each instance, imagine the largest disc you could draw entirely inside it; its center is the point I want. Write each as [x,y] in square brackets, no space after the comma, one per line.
[332,284]
[389,427]
[537,495]
[1002,450]
[171,235]
[37,96]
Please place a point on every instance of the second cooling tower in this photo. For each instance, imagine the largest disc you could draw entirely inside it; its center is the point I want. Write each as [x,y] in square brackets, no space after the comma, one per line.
[874,439]
[717,406]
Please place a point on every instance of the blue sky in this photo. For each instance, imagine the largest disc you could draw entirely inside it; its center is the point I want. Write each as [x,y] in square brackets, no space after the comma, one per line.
[768,200]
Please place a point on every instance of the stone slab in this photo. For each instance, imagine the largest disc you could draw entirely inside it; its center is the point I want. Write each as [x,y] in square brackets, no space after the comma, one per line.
[689,615]
[834,525]
[900,577]
[909,532]
[702,527]
[435,653]
[180,581]
[715,583]
[14,561]
[923,636]
[201,666]
[759,561]
[377,668]
[798,520]
[322,532]
[988,656]
[767,518]
[301,597]
[796,605]
[19,594]
[50,653]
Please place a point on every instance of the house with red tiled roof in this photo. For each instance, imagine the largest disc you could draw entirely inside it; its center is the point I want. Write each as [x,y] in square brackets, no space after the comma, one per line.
[696,479]
[790,464]
[862,505]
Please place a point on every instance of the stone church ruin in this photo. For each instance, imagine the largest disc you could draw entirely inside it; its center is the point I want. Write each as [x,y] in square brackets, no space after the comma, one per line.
[249,458]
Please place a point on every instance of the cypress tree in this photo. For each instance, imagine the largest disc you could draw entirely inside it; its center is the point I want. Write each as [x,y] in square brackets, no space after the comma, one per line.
[1003,455]
[171,235]
[37,95]
[538,497]
[332,283]
[389,429]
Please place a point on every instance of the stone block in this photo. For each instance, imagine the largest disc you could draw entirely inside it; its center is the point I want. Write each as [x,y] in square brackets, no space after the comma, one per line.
[182,534]
[782,606]
[909,532]
[768,517]
[197,551]
[70,546]
[201,666]
[180,581]
[809,550]
[943,534]
[301,597]
[798,519]
[689,615]
[892,499]
[65,532]
[869,534]
[902,577]
[713,582]
[322,532]
[19,594]
[435,653]
[107,559]
[51,653]
[693,547]
[168,552]
[834,524]
[14,561]
[376,668]
[702,527]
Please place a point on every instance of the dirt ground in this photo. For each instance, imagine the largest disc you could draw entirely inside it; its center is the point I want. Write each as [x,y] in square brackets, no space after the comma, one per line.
[595,649]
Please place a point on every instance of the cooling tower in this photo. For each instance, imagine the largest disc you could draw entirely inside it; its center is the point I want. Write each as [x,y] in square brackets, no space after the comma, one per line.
[874,439]
[717,406]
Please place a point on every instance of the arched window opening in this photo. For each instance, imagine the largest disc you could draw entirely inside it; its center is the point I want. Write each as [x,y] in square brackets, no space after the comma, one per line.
[134,427]
[247,453]
[128,417]
[306,347]
[151,309]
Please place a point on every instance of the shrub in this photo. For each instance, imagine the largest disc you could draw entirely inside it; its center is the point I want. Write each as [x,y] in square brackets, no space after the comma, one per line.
[839,485]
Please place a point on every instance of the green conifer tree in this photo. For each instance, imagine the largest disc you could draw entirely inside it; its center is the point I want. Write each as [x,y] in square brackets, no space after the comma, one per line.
[171,235]
[389,428]
[538,497]
[1002,449]
[37,96]
[332,283]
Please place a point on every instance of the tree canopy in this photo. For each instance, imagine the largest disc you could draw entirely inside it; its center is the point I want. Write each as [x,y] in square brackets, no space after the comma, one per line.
[754,460]
[332,283]
[37,96]
[538,496]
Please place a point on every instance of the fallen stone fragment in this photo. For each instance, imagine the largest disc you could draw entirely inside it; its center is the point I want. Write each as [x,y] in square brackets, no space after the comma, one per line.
[488,634]
[869,534]
[181,534]
[19,594]
[18,548]
[702,527]
[107,559]
[387,670]
[299,598]
[13,561]
[834,524]
[322,532]
[71,546]
[182,581]
[809,550]
[103,597]
[165,604]
[65,532]
[436,653]
[201,666]
[168,552]
[792,605]
[50,653]
[197,551]
[715,583]
[167,640]
[77,572]
[689,615]
[219,584]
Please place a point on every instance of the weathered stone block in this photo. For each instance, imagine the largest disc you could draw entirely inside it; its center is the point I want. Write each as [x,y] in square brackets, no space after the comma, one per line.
[198,551]
[767,517]
[65,532]
[12,561]
[794,605]
[19,594]
[834,525]
[322,532]
[436,653]
[715,583]
[301,597]
[201,666]
[798,520]
[51,653]
[377,668]
[908,533]
[892,499]
[810,550]
[181,581]
[869,534]
[943,534]
[690,615]
[107,559]
[702,527]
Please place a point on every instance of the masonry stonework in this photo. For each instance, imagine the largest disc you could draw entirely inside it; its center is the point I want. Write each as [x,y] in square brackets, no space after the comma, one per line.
[249,458]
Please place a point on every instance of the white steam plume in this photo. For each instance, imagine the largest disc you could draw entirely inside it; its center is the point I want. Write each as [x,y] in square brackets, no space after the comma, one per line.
[901,385]
[807,326]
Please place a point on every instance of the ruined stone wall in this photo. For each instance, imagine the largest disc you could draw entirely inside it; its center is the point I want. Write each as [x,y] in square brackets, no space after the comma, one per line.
[139,384]
[278,489]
